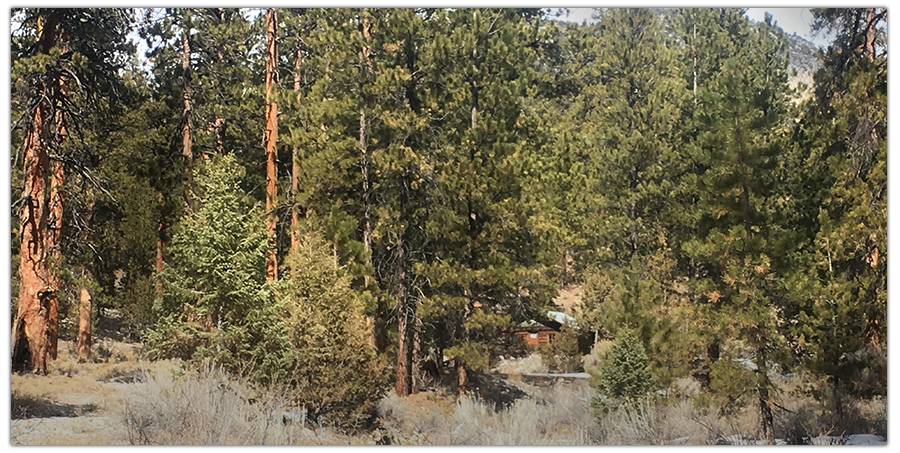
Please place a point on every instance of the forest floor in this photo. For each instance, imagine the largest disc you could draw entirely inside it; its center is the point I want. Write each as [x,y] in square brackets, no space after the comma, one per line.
[78,403]
[119,399]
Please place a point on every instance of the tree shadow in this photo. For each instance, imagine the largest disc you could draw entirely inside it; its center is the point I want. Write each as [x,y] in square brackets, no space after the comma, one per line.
[28,406]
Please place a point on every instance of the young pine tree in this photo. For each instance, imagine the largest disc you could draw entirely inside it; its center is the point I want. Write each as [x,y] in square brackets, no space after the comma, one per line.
[335,372]
[215,304]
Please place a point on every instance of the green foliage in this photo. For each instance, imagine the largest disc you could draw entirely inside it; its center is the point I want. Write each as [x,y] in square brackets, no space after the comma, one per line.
[562,354]
[215,305]
[626,372]
[335,373]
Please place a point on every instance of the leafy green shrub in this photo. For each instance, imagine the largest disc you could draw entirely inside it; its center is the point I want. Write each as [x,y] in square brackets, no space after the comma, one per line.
[626,371]
[562,355]
[335,373]
[216,304]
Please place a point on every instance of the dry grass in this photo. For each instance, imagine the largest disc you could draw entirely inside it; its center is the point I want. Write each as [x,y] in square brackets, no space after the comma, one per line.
[560,415]
[119,400]
[211,408]
[569,297]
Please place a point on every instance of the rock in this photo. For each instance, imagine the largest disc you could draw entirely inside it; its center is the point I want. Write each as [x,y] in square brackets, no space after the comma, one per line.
[864,439]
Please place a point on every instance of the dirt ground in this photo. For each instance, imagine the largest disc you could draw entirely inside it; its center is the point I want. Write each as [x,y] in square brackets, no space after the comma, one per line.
[77,403]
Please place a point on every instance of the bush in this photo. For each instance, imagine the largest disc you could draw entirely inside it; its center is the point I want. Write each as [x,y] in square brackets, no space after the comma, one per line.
[335,373]
[563,355]
[626,372]
[216,304]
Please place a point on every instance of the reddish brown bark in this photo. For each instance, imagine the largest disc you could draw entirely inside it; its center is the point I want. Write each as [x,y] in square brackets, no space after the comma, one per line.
[295,164]
[187,137]
[402,357]
[31,327]
[271,138]
[84,326]
[55,222]
[462,381]
[416,356]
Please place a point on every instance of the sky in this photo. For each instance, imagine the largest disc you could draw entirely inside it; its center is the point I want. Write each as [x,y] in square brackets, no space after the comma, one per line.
[791,20]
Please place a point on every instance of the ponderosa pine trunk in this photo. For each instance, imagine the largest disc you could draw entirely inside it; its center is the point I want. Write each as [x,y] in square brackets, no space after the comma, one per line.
[402,357]
[31,327]
[271,138]
[766,419]
[415,372]
[160,234]
[870,34]
[56,204]
[363,140]
[187,137]
[219,123]
[366,222]
[295,163]
[84,326]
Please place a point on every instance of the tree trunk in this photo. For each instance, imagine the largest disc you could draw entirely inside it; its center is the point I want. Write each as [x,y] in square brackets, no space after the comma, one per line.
[402,357]
[416,356]
[766,420]
[160,233]
[366,223]
[187,138]
[295,164]
[462,381]
[220,120]
[870,34]
[84,327]
[31,327]
[271,137]
[55,222]
[363,141]
[53,231]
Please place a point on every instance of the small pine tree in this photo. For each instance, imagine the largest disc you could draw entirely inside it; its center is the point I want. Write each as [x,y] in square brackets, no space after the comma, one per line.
[215,305]
[626,371]
[562,355]
[336,374]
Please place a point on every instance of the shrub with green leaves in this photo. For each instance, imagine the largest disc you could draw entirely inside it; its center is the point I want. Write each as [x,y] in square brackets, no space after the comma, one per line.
[562,355]
[215,303]
[626,371]
[336,373]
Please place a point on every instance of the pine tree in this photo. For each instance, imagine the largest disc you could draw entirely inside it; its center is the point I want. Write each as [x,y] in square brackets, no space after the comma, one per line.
[626,372]
[740,246]
[65,49]
[841,146]
[215,304]
[633,166]
[335,373]
[270,137]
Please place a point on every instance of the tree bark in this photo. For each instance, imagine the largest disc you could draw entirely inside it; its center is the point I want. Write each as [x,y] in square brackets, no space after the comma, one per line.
[366,223]
[84,327]
[160,233]
[295,164]
[187,137]
[870,34]
[53,232]
[271,138]
[31,327]
[462,378]
[55,222]
[766,419]
[416,356]
[363,140]
[220,119]
[402,357]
